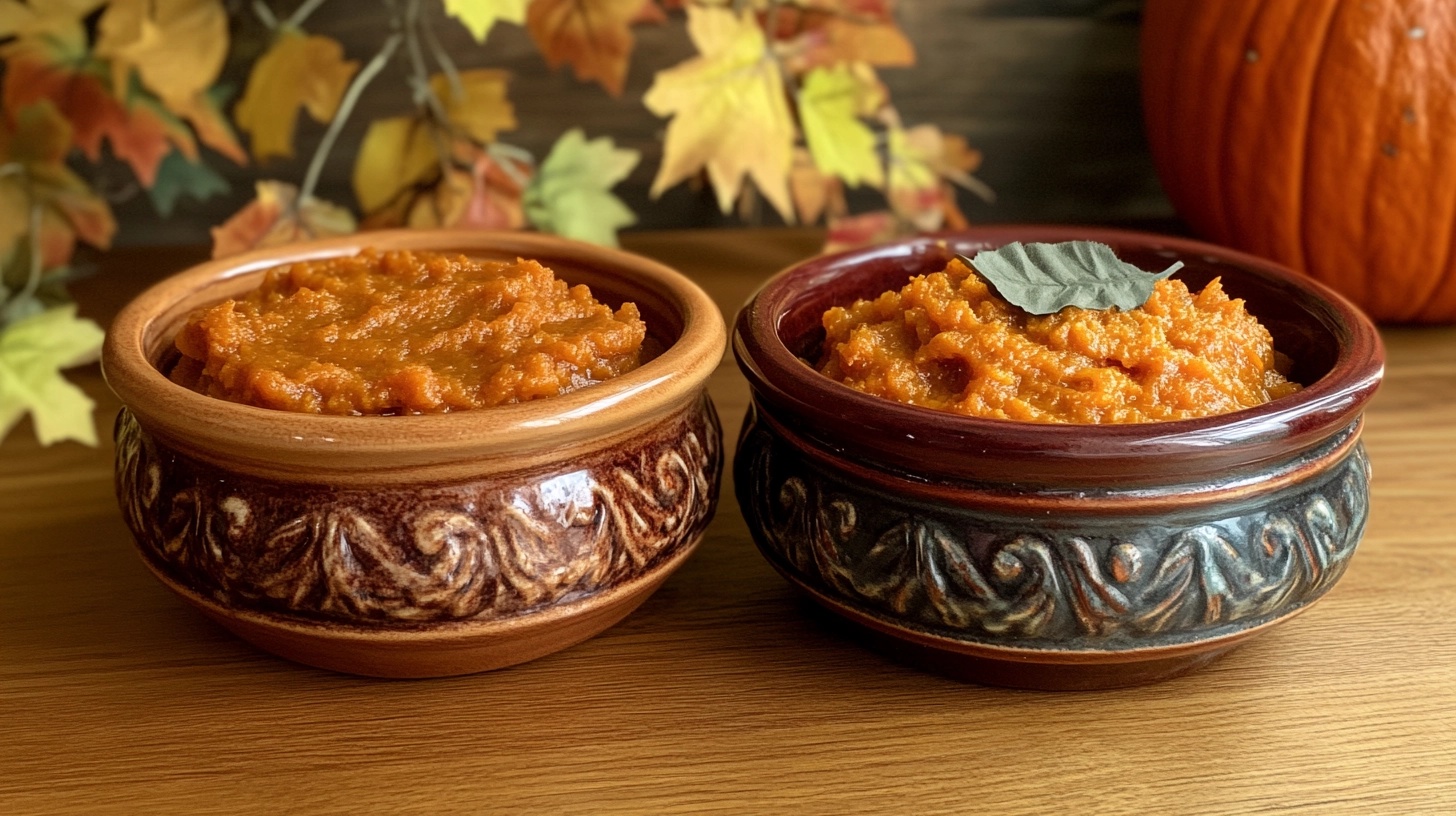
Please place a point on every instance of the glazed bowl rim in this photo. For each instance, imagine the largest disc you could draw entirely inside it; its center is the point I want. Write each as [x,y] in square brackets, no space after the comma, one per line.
[667,380]
[1275,429]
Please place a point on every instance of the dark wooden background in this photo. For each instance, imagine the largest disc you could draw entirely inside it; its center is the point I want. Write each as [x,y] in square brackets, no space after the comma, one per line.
[1047,89]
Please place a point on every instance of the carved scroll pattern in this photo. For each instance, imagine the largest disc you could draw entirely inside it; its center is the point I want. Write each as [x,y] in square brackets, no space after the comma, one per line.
[1008,580]
[484,549]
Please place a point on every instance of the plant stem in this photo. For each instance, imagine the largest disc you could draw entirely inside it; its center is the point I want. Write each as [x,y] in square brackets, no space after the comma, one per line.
[298,17]
[424,95]
[346,107]
[261,10]
[442,58]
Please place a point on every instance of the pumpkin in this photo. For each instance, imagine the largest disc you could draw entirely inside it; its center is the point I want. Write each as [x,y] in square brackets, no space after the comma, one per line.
[1318,133]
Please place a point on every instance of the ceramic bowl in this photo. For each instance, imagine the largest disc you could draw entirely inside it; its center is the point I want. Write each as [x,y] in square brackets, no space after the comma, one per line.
[415,546]
[1054,556]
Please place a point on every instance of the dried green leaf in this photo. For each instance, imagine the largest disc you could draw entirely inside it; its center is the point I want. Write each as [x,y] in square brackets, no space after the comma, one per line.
[32,353]
[177,177]
[570,194]
[1046,278]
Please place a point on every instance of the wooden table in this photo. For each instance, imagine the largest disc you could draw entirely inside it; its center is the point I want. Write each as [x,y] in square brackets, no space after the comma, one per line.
[721,694]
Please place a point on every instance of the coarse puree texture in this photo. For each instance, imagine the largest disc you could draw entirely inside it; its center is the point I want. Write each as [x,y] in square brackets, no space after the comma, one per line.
[947,341]
[383,333]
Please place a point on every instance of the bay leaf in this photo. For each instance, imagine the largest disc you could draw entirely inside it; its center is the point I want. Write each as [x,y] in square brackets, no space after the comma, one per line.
[1046,278]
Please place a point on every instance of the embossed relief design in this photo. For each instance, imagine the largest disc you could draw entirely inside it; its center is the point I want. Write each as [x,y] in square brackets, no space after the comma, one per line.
[485,549]
[1091,582]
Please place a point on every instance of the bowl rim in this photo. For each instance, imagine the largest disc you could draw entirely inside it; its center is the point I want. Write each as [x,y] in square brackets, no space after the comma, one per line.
[1008,449]
[668,381]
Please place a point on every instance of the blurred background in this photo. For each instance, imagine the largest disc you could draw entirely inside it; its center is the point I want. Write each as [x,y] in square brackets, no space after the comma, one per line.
[1047,90]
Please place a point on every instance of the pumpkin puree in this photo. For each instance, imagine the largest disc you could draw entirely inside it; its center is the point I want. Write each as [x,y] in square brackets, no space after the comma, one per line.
[406,333]
[946,341]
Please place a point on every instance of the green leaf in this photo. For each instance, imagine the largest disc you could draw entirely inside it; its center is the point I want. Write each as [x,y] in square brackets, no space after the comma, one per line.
[1045,278]
[570,194]
[32,353]
[177,177]
[830,106]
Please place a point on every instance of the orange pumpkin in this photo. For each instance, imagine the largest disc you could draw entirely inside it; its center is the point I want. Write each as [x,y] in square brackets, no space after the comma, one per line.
[1318,133]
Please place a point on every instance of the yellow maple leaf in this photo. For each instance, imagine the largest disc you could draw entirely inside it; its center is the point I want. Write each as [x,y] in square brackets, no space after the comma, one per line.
[831,102]
[593,36]
[729,112]
[176,47]
[396,154]
[482,110]
[18,18]
[480,15]
[298,70]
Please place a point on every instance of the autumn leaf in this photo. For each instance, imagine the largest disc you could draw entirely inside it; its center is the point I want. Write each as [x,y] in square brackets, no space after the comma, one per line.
[33,351]
[831,102]
[814,191]
[729,112]
[481,110]
[479,16]
[34,144]
[594,37]
[177,177]
[50,61]
[297,71]
[915,190]
[488,195]
[176,47]
[397,153]
[850,231]
[571,193]
[277,217]
[205,114]
[18,18]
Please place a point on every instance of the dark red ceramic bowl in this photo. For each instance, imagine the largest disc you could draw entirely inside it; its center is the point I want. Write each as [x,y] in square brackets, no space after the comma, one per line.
[1055,556]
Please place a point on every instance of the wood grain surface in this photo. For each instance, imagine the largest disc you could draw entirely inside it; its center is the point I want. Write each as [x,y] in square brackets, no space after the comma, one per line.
[724,693]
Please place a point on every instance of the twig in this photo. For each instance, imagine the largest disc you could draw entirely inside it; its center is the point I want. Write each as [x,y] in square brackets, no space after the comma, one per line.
[298,17]
[265,14]
[424,95]
[346,107]
[442,58]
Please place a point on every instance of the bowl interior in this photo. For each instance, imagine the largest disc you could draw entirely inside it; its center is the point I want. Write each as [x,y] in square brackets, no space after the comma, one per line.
[1303,325]
[1335,351]
[662,315]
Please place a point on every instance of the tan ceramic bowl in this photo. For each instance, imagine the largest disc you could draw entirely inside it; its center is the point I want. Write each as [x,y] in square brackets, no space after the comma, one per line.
[420,546]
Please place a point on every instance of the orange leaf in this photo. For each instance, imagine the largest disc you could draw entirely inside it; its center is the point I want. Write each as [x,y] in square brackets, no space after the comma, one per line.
[297,71]
[860,230]
[211,124]
[815,192]
[146,138]
[487,196]
[37,139]
[276,217]
[50,62]
[593,36]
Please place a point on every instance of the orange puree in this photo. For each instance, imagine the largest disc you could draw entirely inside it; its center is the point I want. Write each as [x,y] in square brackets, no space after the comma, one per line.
[946,341]
[406,333]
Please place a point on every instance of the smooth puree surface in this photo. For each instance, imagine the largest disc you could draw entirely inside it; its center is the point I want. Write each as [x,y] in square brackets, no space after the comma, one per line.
[947,341]
[406,333]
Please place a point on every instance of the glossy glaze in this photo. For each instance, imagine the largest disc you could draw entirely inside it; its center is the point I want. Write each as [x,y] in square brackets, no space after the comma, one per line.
[422,545]
[1027,554]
